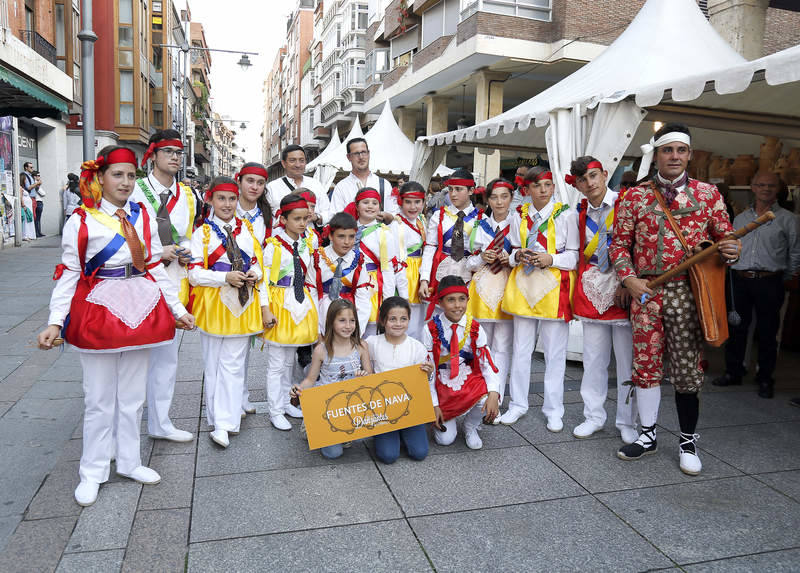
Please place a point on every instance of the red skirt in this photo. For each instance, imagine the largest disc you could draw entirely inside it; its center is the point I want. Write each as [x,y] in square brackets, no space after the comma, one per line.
[453,403]
[91,326]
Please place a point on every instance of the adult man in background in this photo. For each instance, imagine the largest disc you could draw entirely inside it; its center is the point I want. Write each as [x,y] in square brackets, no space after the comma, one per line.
[770,262]
[360,176]
[293,159]
[38,194]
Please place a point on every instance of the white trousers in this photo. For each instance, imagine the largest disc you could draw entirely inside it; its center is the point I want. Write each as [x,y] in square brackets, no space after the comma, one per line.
[472,419]
[225,371]
[417,321]
[114,389]
[554,335]
[597,344]
[161,386]
[501,339]
[280,369]
[245,389]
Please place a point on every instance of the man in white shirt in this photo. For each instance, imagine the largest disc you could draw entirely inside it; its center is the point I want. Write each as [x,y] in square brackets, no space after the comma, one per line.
[174,207]
[360,176]
[293,159]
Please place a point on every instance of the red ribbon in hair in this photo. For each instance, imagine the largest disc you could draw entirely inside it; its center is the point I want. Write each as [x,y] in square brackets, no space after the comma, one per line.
[309,197]
[462,182]
[519,180]
[441,294]
[571,179]
[543,175]
[504,185]
[367,193]
[163,143]
[301,204]
[412,195]
[252,170]
[222,187]
[480,190]
[121,155]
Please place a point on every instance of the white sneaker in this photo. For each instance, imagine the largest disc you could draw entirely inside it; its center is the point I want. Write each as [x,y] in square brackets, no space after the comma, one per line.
[86,493]
[555,424]
[511,416]
[280,422]
[628,434]
[143,475]
[248,407]
[220,437]
[473,440]
[293,411]
[584,430]
[175,435]
[689,461]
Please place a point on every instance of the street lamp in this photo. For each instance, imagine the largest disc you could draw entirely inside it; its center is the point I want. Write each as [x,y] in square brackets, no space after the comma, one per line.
[244,62]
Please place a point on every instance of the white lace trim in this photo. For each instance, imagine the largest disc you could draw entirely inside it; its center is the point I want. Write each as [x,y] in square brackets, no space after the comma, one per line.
[450,267]
[229,295]
[535,286]
[490,287]
[599,287]
[456,383]
[130,300]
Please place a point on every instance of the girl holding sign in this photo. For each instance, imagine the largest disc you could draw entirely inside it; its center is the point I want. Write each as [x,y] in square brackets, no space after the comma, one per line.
[391,349]
[341,356]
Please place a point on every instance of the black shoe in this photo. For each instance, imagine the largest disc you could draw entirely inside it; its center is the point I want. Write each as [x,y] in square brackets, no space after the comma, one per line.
[766,389]
[795,402]
[727,380]
[646,444]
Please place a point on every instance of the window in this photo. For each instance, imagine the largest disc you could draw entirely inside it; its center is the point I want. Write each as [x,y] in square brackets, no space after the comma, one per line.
[533,9]
[125,37]
[76,83]
[126,97]
[61,41]
[76,43]
[440,20]
[126,12]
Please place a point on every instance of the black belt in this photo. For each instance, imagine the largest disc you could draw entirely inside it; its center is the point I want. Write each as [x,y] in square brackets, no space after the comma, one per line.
[757,274]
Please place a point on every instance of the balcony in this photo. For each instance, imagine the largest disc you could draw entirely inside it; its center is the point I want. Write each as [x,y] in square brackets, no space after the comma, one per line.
[39,45]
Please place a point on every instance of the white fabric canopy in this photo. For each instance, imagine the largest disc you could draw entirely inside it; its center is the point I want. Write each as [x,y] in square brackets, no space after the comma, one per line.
[328,166]
[335,142]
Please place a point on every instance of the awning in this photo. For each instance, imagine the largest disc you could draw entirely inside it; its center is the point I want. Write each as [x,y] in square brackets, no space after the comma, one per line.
[21,97]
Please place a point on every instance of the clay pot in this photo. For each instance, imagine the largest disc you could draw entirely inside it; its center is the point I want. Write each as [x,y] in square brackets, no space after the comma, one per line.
[781,167]
[716,167]
[770,151]
[793,174]
[742,170]
[698,166]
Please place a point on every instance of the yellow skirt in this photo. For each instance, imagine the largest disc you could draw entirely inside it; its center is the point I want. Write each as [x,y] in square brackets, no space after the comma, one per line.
[214,318]
[183,291]
[374,304]
[478,307]
[554,305]
[412,273]
[287,332]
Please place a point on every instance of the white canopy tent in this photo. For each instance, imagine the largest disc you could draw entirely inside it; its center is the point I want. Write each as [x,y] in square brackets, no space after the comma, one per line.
[327,164]
[335,142]
[668,48]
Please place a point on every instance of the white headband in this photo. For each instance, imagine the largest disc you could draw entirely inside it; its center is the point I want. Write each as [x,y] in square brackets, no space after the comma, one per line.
[648,149]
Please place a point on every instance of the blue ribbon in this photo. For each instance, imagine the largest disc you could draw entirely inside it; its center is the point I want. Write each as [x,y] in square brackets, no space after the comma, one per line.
[484,223]
[113,246]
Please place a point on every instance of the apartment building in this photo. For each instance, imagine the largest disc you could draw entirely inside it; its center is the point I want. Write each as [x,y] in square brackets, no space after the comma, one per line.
[39,75]
[200,60]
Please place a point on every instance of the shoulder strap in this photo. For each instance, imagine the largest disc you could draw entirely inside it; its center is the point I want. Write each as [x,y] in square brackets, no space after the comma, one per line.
[288,184]
[670,218]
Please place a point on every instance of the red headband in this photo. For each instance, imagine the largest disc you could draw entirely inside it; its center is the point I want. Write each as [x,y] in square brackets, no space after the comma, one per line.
[122,155]
[412,195]
[480,190]
[570,179]
[222,187]
[450,290]
[252,170]
[309,197]
[543,175]
[463,182]
[519,180]
[300,204]
[163,143]
[504,185]
[367,193]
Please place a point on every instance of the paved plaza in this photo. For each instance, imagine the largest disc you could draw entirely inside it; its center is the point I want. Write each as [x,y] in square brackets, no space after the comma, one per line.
[531,500]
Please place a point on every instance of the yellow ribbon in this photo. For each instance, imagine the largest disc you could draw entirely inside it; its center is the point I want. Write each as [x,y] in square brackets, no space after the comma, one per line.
[191,205]
[592,246]
[551,227]
[275,268]
[206,239]
[461,343]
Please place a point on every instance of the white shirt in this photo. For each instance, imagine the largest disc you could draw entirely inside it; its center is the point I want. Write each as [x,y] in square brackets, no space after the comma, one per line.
[387,356]
[567,237]
[278,189]
[256,220]
[200,276]
[483,239]
[180,217]
[345,192]
[362,295]
[99,237]
[432,235]
[394,276]
[410,238]
[464,370]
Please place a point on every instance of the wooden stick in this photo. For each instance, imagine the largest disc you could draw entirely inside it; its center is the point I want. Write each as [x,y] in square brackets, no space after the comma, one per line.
[708,251]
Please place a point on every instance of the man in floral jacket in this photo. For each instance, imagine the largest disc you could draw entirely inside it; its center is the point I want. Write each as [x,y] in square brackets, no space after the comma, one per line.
[664,319]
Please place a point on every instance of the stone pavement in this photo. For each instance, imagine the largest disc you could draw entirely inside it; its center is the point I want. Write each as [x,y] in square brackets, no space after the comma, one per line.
[529,501]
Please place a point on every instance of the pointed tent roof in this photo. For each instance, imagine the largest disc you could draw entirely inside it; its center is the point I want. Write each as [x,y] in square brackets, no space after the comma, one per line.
[332,145]
[338,156]
[666,41]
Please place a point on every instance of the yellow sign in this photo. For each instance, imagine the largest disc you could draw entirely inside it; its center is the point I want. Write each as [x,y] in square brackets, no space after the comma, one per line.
[366,406]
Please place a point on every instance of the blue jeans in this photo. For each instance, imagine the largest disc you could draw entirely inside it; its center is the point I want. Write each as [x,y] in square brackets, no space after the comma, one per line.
[332,452]
[387,446]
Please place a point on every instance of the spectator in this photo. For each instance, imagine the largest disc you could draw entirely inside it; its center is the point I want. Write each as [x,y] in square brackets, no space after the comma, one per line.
[26,207]
[37,194]
[360,176]
[437,197]
[71,195]
[770,262]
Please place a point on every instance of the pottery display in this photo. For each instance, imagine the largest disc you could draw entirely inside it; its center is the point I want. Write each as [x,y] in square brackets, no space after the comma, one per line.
[793,173]
[743,169]
[770,152]
[698,166]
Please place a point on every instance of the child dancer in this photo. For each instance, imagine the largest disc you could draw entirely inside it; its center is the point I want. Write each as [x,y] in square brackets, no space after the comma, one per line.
[342,355]
[601,304]
[340,270]
[466,380]
[391,349]
[450,236]
[538,294]
[291,319]
[227,303]
[491,270]
[409,226]
[254,207]
[376,241]
[112,302]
